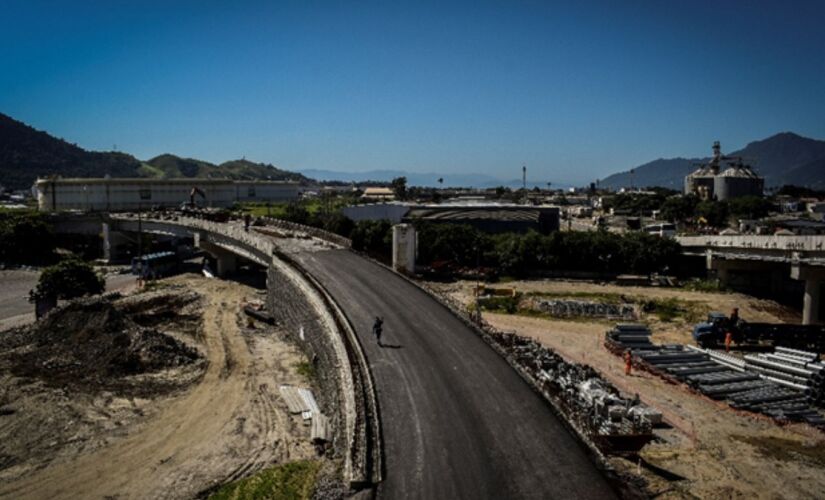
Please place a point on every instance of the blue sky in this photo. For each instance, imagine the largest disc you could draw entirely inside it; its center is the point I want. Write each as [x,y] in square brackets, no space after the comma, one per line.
[575,92]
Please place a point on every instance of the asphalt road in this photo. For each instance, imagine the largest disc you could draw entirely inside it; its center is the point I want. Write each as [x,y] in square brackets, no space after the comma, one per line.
[457,420]
[15,308]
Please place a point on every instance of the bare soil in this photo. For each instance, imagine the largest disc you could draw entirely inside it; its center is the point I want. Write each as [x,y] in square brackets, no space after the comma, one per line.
[159,427]
[719,453]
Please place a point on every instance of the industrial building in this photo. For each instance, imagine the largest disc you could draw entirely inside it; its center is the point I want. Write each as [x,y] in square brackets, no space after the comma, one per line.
[710,182]
[483,215]
[113,195]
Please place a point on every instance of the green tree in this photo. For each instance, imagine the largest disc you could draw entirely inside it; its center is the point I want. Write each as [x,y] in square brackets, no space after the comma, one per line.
[69,279]
[25,238]
[399,187]
[374,237]
[750,207]
[296,212]
[715,212]
[679,208]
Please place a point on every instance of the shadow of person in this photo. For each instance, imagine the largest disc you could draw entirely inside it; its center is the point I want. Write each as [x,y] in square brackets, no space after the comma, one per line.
[391,346]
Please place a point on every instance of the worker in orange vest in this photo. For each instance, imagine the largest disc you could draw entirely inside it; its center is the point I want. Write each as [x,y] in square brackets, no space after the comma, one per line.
[628,362]
[728,340]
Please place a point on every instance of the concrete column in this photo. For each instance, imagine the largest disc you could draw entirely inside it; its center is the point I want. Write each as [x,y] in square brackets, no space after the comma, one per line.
[810,311]
[404,247]
[813,277]
[227,263]
[112,241]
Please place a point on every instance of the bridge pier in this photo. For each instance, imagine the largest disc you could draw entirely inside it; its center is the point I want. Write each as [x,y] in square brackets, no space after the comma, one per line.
[812,305]
[227,262]
[113,241]
[404,248]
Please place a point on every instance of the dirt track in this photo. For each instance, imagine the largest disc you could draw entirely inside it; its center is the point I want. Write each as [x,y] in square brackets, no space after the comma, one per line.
[230,424]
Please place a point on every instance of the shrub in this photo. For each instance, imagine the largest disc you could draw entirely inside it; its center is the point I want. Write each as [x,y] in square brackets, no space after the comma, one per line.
[69,279]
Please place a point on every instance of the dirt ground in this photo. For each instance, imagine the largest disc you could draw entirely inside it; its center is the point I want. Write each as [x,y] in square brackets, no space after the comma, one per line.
[720,453]
[221,419]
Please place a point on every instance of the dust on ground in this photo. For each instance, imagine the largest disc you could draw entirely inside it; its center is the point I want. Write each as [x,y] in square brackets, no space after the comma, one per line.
[184,398]
[719,452]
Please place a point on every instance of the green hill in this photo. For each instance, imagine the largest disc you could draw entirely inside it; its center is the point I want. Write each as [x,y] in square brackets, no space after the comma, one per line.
[27,153]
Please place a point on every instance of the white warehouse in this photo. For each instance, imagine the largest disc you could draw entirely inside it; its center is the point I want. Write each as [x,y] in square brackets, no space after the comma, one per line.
[111,194]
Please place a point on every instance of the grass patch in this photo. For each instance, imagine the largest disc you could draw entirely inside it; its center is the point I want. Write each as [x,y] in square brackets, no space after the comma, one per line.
[294,480]
[605,298]
[500,304]
[672,309]
[704,285]
[306,370]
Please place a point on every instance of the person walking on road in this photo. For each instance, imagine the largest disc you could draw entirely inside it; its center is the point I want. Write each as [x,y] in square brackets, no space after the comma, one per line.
[377,329]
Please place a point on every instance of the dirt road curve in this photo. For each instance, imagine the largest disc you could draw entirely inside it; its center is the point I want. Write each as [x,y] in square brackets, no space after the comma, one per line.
[457,421]
[227,426]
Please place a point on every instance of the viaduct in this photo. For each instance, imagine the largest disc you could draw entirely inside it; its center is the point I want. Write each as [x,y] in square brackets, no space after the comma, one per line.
[775,258]
[434,412]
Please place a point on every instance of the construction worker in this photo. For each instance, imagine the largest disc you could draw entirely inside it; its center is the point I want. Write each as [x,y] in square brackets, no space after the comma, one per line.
[734,316]
[377,329]
[628,362]
[728,340]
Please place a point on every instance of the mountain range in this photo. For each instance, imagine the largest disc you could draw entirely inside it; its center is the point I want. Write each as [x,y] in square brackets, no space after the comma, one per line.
[784,158]
[26,154]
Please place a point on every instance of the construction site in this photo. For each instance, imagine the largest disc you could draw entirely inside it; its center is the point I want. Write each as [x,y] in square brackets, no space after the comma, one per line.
[257,359]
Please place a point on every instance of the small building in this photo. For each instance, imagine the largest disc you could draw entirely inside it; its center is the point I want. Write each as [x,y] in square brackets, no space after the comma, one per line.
[490,218]
[122,194]
[391,211]
[378,194]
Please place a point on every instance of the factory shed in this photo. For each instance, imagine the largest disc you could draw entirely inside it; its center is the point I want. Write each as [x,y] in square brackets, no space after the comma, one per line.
[490,218]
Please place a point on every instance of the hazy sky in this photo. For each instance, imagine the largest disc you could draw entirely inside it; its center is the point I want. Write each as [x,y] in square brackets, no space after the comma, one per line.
[576,93]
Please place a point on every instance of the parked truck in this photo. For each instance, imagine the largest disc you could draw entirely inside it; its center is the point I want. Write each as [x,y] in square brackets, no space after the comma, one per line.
[712,333]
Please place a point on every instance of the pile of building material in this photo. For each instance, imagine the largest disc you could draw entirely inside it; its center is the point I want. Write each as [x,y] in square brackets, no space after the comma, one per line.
[624,336]
[582,308]
[300,400]
[780,393]
[615,423]
[801,370]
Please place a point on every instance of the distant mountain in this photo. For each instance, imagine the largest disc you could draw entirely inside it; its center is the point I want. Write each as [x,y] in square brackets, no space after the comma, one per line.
[171,166]
[429,179]
[784,158]
[26,154]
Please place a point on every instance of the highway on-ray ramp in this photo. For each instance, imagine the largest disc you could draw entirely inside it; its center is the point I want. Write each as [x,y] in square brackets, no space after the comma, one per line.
[457,420]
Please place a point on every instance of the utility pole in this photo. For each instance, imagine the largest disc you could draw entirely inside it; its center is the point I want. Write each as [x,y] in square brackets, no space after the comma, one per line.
[524,181]
[140,234]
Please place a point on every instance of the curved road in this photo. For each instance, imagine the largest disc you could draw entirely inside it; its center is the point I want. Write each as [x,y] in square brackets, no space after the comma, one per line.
[457,420]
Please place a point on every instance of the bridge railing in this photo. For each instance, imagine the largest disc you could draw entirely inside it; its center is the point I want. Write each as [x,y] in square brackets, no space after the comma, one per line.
[795,243]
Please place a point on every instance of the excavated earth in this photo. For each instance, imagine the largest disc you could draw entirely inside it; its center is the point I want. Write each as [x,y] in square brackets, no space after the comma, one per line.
[166,393]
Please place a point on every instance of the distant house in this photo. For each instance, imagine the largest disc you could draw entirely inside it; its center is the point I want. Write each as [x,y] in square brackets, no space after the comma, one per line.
[378,194]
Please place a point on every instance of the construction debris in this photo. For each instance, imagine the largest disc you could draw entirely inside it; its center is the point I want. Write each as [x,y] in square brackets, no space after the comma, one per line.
[301,400]
[614,423]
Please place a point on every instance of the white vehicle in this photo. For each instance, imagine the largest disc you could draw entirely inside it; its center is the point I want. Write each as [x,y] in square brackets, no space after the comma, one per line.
[666,230]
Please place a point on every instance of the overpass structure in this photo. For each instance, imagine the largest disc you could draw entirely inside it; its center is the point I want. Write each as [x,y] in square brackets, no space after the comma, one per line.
[456,421]
[803,257]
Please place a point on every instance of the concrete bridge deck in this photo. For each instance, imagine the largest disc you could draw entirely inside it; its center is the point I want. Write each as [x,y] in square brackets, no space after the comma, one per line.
[457,421]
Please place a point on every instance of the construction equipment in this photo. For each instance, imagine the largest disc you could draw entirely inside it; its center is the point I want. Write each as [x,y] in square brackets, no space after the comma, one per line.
[712,332]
